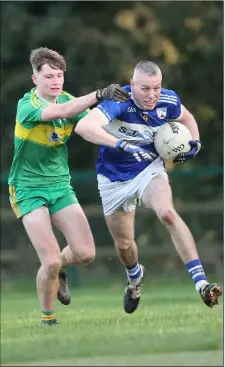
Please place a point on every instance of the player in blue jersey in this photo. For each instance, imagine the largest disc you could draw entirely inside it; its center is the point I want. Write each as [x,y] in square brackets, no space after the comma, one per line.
[129,169]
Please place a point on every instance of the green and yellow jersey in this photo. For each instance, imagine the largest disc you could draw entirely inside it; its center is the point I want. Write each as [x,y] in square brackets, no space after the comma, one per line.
[40,152]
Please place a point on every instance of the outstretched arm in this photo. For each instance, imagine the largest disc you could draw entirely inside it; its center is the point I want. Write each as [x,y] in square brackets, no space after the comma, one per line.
[74,107]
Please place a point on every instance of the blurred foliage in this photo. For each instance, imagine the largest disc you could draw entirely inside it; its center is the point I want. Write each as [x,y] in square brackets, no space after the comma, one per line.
[102,42]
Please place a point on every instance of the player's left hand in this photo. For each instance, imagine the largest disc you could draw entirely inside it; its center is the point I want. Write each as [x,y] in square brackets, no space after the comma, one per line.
[195,148]
[112,92]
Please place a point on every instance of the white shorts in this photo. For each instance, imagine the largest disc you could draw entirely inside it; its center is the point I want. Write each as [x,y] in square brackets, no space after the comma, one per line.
[118,194]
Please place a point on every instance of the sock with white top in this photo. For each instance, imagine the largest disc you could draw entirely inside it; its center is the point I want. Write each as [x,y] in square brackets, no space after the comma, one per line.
[197,273]
[134,273]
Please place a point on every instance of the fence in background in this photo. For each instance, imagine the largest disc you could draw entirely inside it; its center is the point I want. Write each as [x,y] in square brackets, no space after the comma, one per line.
[204,217]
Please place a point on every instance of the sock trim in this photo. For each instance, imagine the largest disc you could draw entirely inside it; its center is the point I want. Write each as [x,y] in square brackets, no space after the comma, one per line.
[134,272]
[47,313]
[196,270]
[49,318]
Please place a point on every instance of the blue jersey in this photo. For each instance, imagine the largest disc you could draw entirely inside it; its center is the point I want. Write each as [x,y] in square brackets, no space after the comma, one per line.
[129,122]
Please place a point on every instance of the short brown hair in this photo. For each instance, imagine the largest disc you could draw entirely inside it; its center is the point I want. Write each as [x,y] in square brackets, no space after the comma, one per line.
[43,55]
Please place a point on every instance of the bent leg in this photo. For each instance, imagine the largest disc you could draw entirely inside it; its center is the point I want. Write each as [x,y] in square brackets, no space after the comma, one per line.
[39,229]
[72,222]
[158,196]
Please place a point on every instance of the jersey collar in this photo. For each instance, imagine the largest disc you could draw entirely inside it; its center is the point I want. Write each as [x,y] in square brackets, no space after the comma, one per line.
[41,98]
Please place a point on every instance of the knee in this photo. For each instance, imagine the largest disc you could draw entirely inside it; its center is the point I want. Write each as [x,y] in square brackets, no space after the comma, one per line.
[123,244]
[52,268]
[88,256]
[167,216]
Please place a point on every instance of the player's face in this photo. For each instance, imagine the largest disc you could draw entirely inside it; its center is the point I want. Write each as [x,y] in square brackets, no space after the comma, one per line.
[146,90]
[49,82]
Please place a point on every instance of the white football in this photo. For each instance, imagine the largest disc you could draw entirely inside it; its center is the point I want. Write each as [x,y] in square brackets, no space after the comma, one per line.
[171,139]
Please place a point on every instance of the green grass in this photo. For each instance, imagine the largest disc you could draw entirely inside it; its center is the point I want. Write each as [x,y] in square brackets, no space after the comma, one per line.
[171,327]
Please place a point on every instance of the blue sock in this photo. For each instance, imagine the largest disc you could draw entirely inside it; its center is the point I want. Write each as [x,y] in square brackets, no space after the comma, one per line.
[197,273]
[134,272]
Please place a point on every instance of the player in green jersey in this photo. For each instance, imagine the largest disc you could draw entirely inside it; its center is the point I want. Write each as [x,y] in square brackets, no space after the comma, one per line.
[39,179]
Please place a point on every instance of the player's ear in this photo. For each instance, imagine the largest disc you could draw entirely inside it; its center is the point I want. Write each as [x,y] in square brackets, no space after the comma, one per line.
[34,78]
[131,82]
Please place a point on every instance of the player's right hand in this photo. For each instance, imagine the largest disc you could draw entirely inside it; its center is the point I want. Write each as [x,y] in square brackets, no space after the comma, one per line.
[139,153]
[112,92]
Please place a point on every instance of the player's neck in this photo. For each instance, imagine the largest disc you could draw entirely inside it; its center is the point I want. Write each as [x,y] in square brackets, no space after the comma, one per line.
[45,98]
[136,103]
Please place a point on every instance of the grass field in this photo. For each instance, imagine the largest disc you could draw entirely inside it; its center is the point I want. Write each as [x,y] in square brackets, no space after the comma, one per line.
[171,327]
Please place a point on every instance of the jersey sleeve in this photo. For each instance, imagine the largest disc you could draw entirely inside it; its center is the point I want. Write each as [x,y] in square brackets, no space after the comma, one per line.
[75,118]
[111,109]
[175,107]
[28,113]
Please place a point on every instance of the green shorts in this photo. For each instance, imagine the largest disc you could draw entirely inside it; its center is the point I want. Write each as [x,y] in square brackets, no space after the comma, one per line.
[24,200]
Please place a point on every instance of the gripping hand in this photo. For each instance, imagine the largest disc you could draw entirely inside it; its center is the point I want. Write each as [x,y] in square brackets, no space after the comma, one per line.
[195,148]
[112,92]
[139,153]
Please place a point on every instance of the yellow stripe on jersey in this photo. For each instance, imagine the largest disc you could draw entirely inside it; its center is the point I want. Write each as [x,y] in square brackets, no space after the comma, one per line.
[12,193]
[68,129]
[44,134]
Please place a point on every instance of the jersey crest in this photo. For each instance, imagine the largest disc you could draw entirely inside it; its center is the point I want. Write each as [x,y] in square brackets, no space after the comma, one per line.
[161,112]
